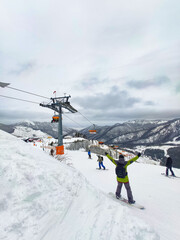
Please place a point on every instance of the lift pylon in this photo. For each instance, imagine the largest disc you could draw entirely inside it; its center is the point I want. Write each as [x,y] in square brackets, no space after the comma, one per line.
[56,104]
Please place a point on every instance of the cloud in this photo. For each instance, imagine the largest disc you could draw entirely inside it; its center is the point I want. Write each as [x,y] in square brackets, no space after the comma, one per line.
[92,49]
[113,116]
[149,103]
[9,116]
[155,82]
[88,82]
[178,88]
[115,98]
[21,68]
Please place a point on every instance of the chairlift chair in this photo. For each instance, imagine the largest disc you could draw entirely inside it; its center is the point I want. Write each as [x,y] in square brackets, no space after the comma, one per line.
[92,131]
[55,118]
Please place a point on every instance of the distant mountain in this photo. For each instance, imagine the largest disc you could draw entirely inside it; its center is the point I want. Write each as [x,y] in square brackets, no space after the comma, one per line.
[7,128]
[140,132]
[45,127]
[157,138]
[127,134]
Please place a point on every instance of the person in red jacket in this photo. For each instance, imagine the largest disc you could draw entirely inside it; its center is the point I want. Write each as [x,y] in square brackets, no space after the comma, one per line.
[122,175]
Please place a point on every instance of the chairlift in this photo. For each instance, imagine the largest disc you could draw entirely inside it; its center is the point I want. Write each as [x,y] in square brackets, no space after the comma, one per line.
[93,131]
[55,118]
[115,147]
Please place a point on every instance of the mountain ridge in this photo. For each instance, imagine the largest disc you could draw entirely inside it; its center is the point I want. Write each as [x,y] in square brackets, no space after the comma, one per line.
[127,134]
[158,138]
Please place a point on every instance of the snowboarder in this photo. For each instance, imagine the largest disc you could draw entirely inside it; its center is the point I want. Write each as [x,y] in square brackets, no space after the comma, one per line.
[100,160]
[169,166]
[122,175]
[89,154]
[52,152]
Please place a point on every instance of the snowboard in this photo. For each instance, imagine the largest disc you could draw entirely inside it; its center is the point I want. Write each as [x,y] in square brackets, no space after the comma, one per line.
[102,169]
[169,176]
[124,200]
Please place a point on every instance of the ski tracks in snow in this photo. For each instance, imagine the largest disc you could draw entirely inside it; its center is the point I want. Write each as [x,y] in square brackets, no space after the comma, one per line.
[45,199]
[92,215]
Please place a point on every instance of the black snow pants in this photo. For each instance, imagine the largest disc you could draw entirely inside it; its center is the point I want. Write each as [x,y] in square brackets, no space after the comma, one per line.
[167,171]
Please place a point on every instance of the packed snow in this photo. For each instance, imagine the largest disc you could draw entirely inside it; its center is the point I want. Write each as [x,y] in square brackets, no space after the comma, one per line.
[44,199]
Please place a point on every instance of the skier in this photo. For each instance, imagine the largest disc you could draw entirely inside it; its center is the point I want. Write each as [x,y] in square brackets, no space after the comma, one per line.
[100,160]
[122,175]
[89,154]
[169,166]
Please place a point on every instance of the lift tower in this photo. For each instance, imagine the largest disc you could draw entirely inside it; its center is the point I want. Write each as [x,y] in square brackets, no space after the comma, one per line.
[57,104]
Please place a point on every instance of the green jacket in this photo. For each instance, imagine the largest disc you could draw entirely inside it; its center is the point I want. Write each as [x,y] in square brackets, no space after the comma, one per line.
[127,163]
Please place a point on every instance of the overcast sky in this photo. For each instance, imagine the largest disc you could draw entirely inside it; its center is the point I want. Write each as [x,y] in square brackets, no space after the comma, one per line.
[119,60]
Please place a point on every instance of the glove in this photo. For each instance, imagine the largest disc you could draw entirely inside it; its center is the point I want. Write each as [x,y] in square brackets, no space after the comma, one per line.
[106,153]
[139,154]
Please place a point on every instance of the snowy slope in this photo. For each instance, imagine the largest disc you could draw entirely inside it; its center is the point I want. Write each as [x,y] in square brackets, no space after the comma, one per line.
[26,132]
[159,194]
[42,198]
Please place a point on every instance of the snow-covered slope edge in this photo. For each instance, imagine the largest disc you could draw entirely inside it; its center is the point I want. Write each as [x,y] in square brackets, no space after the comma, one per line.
[42,198]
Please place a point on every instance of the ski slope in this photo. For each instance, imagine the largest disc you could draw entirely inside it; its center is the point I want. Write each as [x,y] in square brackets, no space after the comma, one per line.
[158,194]
[44,199]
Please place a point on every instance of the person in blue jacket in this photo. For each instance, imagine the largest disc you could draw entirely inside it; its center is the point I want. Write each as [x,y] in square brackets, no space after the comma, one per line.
[122,175]
[89,154]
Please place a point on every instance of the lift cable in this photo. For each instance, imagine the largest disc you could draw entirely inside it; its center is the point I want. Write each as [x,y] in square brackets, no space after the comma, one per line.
[73,120]
[38,104]
[6,85]
[27,92]
[19,99]
[86,118]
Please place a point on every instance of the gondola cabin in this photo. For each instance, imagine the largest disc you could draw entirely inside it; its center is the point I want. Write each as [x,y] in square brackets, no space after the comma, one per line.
[55,118]
[101,142]
[92,131]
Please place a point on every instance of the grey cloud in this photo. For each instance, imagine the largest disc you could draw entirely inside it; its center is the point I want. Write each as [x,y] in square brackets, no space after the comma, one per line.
[149,103]
[23,68]
[157,81]
[91,81]
[20,115]
[104,116]
[113,99]
[115,116]
[178,88]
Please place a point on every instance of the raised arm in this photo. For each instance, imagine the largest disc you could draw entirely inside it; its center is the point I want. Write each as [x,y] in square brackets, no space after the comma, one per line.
[133,159]
[112,159]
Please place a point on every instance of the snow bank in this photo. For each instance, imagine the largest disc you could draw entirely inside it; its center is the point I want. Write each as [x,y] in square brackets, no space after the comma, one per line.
[26,132]
[42,198]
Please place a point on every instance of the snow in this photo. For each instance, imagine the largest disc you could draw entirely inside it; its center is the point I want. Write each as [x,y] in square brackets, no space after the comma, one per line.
[29,122]
[44,199]
[26,132]
[174,141]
